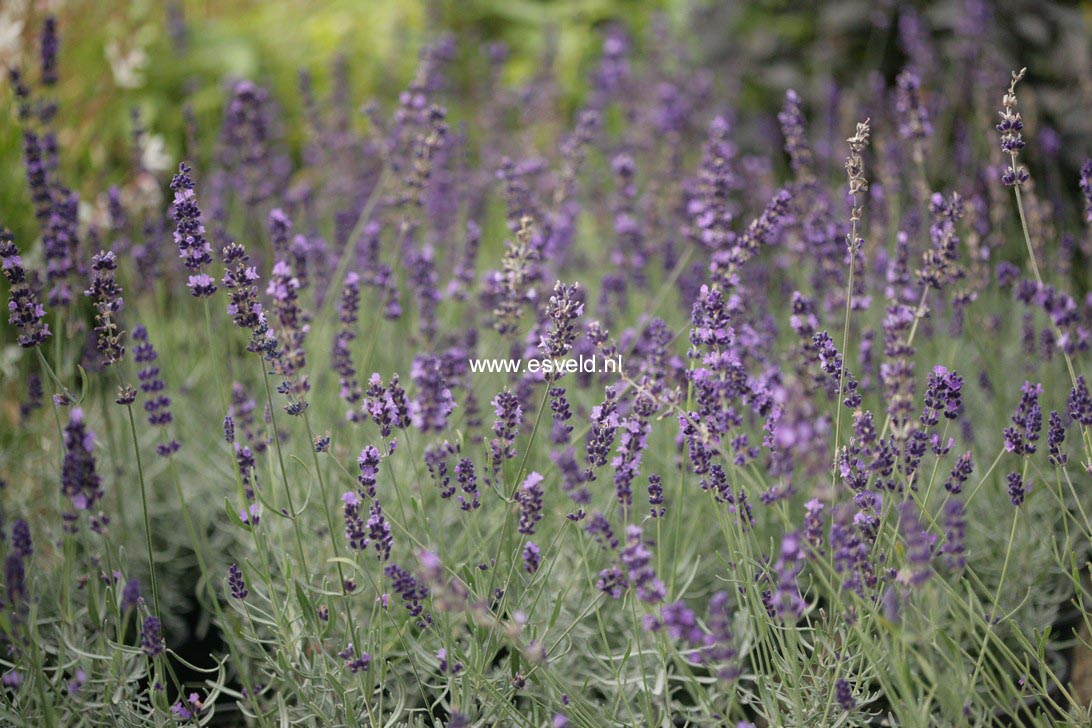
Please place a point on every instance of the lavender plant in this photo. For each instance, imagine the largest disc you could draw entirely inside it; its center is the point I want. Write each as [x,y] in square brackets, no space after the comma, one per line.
[815,491]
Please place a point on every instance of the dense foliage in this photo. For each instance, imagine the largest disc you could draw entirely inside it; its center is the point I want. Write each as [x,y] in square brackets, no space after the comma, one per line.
[259,470]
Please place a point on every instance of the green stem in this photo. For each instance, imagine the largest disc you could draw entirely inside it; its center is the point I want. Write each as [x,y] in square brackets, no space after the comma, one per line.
[996,598]
[284,471]
[144,505]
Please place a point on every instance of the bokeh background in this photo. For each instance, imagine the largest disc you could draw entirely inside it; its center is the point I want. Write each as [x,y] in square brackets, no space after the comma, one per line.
[154,55]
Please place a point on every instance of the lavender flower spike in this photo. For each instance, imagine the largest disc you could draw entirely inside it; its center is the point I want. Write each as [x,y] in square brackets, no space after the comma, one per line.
[80,482]
[565,306]
[25,311]
[1010,128]
[237,582]
[151,638]
[108,302]
[157,404]
[189,233]
[789,605]
[529,497]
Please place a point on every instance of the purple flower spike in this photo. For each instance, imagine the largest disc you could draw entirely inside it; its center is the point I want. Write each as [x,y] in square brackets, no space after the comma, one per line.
[157,404]
[639,571]
[80,482]
[914,123]
[531,557]
[433,404]
[189,233]
[789,605]
[843,693]
[151,638]
[25,311]
[355,530]
[1086,189]
[106,294]
[1055,440]
[954,529]
[943,395]
[1079,403]
[813,525]
[353,662]
[509,414]
[236,582]
[1018,489]
[369,469]
[529,497]
[1027,422]
[130,594]
[21,543]
[468,484]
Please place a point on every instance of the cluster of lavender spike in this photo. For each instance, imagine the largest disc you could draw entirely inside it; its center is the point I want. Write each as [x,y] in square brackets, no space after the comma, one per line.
[749,259]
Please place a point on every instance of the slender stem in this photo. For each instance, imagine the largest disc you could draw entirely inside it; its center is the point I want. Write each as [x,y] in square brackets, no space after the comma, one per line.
[52,375]
[506,538]
[66,536]
[845,353]
[284,471]
[214,358]
[337,551]
[144,505]
[996,598]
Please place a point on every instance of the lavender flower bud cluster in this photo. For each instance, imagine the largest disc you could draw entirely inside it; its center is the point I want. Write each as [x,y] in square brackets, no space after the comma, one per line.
[565,306]
[189,233]
[1027,422]
[914,123]
[80,482]
[241,280]
[855,168]
[943,394]
[1012,139]
[794,129]
[514,278]
[157,404]
[25,311]
[106,294]
[432,406]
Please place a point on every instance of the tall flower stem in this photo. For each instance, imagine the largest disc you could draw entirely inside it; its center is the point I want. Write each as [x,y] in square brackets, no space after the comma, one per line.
[842,369]
[294,517]
[66,536]
[213,357]
[112,445]
[333,531]
[997,597]
[506,546]
[144,506]
[857,184]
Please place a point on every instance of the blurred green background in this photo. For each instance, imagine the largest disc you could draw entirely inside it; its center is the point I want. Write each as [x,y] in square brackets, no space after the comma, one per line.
[157,56]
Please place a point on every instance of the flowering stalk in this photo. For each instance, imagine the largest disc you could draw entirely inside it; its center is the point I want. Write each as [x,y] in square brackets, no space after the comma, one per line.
[144,507]
[1011,143]
[857,185]
[293,515]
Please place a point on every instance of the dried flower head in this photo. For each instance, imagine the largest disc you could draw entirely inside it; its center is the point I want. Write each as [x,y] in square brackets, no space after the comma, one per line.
[855,168]
[1011,128]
